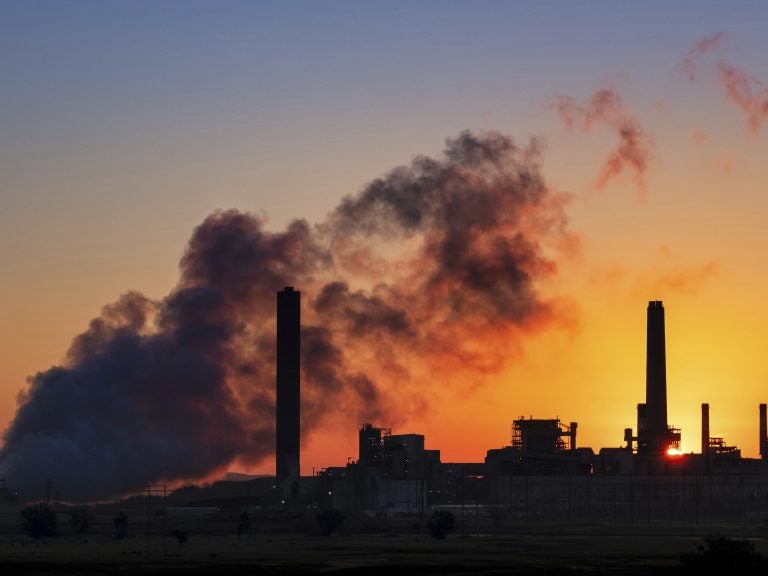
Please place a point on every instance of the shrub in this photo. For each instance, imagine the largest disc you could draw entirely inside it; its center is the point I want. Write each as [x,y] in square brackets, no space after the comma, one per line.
[329,521]
[719,552]
[80,520]
[39,521]
[440,523]
[120,522]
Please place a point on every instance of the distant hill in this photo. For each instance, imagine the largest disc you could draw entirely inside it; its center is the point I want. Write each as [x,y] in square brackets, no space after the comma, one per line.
[240,477]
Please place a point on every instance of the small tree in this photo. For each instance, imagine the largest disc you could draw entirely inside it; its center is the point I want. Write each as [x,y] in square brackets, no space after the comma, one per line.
[329,521]
[39,521]
[440,523]
[720,552]
[80,520]
[120,522]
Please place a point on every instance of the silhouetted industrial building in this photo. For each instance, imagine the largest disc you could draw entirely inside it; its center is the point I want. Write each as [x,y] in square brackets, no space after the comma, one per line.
[542,473]
[714,446]
[288,416]
[539,447]
[370,451]
[393,474]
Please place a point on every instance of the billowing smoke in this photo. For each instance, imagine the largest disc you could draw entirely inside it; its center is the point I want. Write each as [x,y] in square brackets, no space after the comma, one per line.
[605,107]
[425,279]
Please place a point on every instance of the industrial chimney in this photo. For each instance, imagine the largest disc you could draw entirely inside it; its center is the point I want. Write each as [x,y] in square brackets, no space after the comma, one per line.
[656,371]
[654,435]
[572,434]
[763,433]
[705,429]
[288,424]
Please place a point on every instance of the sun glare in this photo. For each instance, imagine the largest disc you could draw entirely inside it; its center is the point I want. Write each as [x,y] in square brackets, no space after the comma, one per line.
[674,452]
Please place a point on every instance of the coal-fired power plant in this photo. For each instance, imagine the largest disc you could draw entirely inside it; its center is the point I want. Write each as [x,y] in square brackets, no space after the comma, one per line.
[540,473]
[288,417]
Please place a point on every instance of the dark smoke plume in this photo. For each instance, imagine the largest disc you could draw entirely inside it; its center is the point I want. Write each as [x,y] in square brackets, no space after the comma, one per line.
[607,108]
[425,279]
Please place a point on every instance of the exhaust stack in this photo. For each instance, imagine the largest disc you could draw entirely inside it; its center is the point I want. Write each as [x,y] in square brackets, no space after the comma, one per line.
[656,371]
[654,436]
[763,433]
[572,434]
[288,423]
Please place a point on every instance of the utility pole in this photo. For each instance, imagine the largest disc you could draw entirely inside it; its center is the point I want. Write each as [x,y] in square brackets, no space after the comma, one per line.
[149,518]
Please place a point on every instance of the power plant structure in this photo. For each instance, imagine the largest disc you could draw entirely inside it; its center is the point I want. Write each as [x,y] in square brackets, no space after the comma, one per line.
[542,472]
[288,392]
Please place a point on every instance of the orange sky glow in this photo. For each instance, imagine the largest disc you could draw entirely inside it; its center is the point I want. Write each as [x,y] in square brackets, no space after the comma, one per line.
[655,162]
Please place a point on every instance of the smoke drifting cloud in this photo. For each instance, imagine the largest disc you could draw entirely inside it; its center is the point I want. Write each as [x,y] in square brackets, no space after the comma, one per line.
[422,280]
[689,64]
[741,89]
[605,107]
[682,279]
[746,92]
[668,275]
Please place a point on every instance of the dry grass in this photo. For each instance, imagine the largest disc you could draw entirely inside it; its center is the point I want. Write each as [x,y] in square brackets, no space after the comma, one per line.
[523,549]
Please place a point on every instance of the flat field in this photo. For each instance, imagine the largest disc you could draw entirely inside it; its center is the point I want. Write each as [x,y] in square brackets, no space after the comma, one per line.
[526,549]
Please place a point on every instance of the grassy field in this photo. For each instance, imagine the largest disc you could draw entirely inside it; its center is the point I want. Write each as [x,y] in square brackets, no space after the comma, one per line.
[529,549]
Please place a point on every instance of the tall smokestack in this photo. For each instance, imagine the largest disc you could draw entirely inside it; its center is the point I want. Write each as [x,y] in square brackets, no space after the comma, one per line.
[705,429]
[288,391]
[572,434]
[656,373]
[763,433]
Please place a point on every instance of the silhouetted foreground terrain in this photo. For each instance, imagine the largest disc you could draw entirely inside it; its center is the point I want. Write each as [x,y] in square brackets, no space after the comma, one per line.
[525,549]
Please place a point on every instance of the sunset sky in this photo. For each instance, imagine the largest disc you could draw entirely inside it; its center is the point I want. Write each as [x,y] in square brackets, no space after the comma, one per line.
[125,124]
